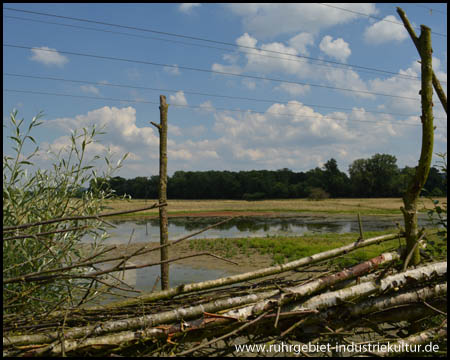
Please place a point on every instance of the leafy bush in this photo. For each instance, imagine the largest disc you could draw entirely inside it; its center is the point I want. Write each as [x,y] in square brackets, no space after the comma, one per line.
[316,193]
[34,195]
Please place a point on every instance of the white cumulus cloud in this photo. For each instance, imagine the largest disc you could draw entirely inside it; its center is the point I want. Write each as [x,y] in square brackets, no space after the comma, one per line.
[48,56]
[270,20]
[385,31]
[301,41]
[297,136]
[273,57]
[121,135]
[119,125]
[347,79]
[178,98]
[408,88]
[338,49]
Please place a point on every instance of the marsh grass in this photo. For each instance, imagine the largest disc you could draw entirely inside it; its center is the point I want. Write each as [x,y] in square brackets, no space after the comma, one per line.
[284,249]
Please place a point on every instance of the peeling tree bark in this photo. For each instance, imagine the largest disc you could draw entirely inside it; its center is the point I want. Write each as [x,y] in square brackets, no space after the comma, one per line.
[189,312]
[334,307]
[393,282]
[297,292]
[384,302]
[383,306]
[146,329]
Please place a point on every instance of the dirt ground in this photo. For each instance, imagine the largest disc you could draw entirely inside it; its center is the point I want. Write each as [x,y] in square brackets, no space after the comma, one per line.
[263,207]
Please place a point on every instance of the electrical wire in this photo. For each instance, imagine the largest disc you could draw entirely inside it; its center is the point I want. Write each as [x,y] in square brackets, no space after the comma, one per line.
[199,39]
[202,107]
[201,94]
[428,8]
[211,71]
[348,67]
[375,17]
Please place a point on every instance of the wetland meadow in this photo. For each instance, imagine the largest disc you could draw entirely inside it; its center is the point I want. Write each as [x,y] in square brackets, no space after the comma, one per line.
[262,233]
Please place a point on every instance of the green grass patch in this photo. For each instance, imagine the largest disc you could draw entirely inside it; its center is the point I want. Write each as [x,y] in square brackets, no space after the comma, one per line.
[285,249]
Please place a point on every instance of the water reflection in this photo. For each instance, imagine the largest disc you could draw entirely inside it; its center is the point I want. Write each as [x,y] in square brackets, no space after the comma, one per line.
[148,230]
[147,279]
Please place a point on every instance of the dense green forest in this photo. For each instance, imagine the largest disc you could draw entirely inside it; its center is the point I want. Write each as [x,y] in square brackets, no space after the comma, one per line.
[378,176]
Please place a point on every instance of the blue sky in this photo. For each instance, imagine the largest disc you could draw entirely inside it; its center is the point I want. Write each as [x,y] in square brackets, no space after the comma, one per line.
[286,109]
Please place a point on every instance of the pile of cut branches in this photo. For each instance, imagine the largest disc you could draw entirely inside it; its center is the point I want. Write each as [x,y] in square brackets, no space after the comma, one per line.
[366,306]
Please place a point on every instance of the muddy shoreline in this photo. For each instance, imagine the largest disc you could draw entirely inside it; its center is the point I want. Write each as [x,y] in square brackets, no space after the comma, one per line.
[245,263]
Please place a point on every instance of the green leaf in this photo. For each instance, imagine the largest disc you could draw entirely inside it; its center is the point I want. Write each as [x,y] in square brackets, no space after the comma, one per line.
[31,138]
[25,162]
[16,139]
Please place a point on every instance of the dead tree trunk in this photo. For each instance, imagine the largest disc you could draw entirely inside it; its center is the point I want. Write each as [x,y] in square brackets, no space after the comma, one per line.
[163,220]
[436,84]
[415,186]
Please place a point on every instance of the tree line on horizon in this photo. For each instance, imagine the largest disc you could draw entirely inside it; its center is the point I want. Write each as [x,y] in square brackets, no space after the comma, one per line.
[378,176]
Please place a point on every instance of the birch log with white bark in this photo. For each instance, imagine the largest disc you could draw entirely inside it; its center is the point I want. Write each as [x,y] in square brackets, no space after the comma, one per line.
[426,272]
[381,303]
[299,291]
[194,311]
[376,304]
[393,282]
[409,344]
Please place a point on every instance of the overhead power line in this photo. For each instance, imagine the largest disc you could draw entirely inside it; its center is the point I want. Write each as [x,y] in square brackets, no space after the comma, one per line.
[430,9]
[375,17]
[328,63]
[211,71]
[201,94]
[201,107]
[203,39]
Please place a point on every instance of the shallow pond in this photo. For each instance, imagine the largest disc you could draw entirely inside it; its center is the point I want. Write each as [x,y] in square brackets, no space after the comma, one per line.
[256,226]
[146,278]
[148,231]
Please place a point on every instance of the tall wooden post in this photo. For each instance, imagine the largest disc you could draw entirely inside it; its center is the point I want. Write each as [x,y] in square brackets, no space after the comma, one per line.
[412,193]
[163,220]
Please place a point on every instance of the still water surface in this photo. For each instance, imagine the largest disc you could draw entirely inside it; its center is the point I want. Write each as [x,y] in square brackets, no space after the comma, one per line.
[257,226]
[148,231]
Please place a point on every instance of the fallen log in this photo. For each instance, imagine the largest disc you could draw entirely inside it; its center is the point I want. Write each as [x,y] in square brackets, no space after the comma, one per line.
[333,315]
[297,292]
[194,311]
[393,282]
[378,307]
[412,344]
[185,313]
[345,314]
[394,290]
